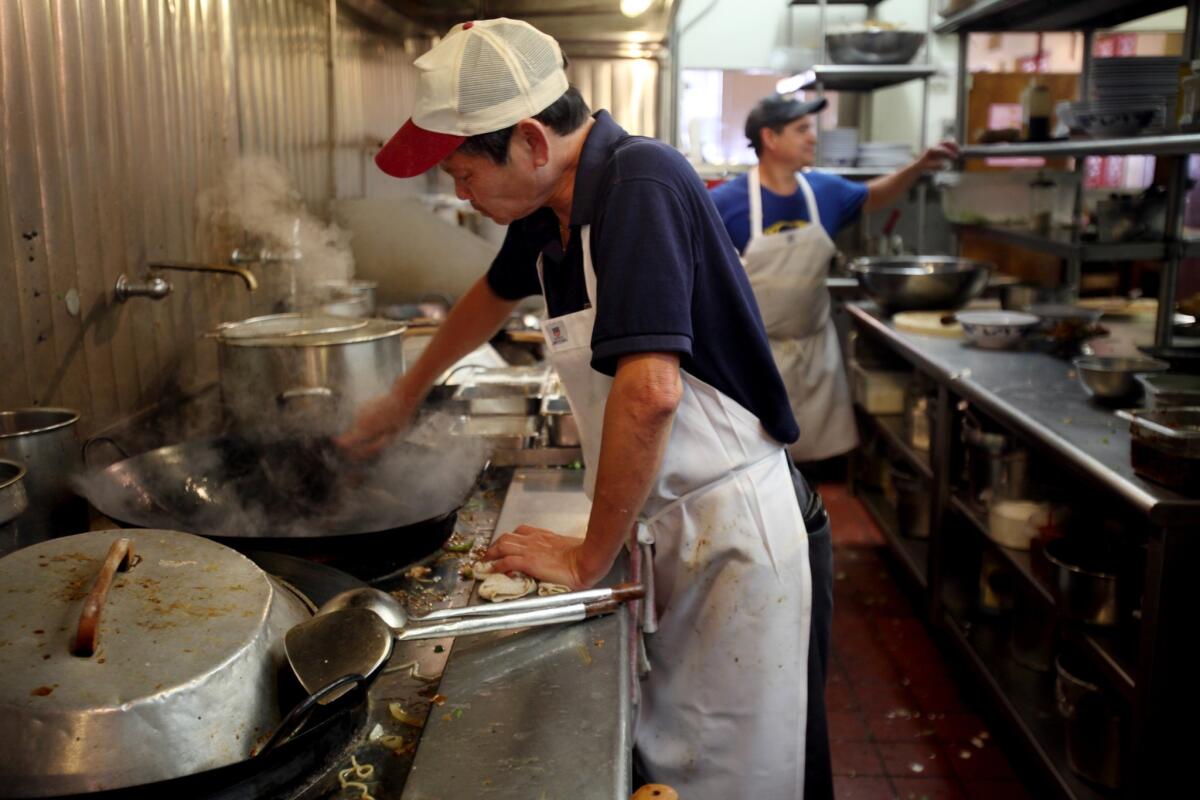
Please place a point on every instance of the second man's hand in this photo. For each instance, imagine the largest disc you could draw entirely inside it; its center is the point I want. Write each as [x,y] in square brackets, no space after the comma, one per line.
[936,156]
[541,554]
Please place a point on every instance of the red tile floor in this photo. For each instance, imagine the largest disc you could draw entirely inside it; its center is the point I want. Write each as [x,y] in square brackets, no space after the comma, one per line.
[899,726]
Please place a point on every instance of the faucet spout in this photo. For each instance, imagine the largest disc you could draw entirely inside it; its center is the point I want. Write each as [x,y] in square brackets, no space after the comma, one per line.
[228,269]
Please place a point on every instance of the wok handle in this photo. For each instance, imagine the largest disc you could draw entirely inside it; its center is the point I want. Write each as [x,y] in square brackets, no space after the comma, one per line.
[620,592]
[304,393]
[87,447]
[119,557]
[499,622]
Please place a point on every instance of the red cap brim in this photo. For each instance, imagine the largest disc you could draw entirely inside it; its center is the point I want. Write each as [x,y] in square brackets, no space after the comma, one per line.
[414,150]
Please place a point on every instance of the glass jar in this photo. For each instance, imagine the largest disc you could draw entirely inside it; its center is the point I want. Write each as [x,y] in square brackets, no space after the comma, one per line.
[1041,204]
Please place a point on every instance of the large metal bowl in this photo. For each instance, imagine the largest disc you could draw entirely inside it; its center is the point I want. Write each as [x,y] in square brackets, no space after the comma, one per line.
[921,283]
[1114,378]
[873,47]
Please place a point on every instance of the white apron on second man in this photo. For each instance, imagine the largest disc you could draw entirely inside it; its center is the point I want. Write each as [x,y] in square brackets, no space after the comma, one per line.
[724,707]
[787,272]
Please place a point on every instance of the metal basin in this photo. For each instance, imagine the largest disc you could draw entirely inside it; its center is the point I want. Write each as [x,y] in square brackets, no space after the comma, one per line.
[1114,379]
[873,46]
[921,283]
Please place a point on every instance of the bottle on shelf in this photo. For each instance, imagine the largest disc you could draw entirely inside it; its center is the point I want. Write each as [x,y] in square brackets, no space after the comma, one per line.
[1035,111]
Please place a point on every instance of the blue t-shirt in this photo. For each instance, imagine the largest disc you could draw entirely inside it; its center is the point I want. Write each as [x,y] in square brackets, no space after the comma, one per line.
[838,200]
[667,279]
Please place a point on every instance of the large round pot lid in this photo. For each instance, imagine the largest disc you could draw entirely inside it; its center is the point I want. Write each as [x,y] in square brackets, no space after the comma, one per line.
[363,330]
[184,672]
[274,326]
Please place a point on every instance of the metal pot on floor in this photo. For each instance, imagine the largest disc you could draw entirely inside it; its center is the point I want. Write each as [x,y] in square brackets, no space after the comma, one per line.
[43,441]
[912,502]
[1093,723]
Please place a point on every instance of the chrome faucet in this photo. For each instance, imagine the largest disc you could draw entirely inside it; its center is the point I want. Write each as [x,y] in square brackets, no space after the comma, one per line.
[156,288]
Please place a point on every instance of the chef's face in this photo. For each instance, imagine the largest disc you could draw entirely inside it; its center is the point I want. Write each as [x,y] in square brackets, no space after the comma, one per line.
[795,144]
[501,192]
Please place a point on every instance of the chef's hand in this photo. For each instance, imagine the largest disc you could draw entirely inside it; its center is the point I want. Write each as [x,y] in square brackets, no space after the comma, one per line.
[378,423]
[541,554]
[936,156]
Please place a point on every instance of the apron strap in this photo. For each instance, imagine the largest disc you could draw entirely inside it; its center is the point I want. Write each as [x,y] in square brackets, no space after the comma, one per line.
[755,187]
[814,214]
[589,272]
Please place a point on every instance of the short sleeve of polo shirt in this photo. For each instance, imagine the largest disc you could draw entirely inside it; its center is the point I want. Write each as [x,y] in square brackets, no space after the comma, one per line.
[838,199]
[645,268]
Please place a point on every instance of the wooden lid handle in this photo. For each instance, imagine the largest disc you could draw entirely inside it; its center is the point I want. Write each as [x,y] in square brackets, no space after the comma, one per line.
[120,557]
[655,791]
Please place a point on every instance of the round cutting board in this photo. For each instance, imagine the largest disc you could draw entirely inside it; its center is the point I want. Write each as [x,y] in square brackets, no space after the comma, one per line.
[928,323]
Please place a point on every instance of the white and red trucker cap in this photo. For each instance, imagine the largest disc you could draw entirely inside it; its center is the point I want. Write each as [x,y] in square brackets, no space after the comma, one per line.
[483,76]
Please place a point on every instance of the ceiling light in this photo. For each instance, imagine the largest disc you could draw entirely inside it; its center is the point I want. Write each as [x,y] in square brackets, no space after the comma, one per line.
[634,8]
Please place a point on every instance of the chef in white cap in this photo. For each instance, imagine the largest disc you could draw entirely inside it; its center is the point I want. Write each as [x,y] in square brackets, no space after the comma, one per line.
[653,329]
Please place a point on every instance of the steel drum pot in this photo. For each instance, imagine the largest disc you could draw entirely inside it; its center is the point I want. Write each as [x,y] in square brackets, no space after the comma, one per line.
[921,283]
[873,46]
[43,441]
[184,677]
[309,373]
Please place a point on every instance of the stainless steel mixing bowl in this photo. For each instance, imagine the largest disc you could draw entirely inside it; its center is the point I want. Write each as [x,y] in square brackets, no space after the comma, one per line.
[1112,378]
[873,46]
[915,283]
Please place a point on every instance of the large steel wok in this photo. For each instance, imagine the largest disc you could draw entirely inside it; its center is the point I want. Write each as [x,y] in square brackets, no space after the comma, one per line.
[294,494]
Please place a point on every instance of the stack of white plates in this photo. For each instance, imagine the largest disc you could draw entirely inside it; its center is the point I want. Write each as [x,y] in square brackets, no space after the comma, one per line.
[884,155]
[839,147]
[1129,95]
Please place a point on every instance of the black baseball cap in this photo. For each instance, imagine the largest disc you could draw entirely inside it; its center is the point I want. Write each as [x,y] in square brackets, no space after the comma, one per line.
[778,109]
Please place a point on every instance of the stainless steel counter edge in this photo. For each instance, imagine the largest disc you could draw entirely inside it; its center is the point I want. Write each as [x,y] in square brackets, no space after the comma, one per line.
[972,373]
[543,713]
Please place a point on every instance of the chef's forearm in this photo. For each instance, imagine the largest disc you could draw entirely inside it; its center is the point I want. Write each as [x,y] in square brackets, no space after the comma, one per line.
[637,424]
[473,320]
[886,191]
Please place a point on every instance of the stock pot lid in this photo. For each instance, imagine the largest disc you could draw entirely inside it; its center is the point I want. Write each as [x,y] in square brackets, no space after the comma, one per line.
[363,330]
[184,609]
[274,326]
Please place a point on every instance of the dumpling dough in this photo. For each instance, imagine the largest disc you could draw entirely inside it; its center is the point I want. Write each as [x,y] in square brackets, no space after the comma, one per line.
[499,587]
[547,589]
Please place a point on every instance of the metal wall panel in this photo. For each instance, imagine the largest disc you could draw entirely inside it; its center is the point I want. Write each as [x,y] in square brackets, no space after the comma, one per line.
[627,87]
[114,116]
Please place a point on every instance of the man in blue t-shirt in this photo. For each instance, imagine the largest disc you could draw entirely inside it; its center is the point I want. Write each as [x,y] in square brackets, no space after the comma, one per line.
[783,221]
[683,419]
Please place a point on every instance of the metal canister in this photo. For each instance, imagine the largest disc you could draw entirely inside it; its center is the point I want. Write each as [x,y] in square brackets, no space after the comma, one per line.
[43,440]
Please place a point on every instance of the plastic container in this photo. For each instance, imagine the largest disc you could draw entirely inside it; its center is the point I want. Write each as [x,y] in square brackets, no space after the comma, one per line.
[879,391]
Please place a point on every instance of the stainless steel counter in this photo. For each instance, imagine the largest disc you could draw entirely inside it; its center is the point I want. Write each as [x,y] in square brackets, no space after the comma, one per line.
[534,714]
[1038,396]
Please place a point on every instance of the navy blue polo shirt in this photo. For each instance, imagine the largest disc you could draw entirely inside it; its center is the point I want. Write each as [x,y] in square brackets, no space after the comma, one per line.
[668,278]
[838,200]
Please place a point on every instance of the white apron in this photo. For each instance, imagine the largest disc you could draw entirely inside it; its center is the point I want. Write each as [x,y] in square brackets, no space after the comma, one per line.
[723,708]
[787,272]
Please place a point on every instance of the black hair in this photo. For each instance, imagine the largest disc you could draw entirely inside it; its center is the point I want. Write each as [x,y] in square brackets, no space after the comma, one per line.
[755,136]
[565,115]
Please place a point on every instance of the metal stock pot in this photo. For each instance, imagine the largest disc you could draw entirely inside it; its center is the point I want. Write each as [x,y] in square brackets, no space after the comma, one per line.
[183,674]
[305,372]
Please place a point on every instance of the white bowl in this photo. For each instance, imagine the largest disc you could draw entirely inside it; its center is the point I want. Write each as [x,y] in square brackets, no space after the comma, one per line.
[995,329]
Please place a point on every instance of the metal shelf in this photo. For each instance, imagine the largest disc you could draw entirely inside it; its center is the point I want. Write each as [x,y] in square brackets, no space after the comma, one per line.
[1172,144]
[857,173]
[1025,697]
[1060,244]
[865,78]
[1100,649]
[891,426]
[913,554]
[1048,15]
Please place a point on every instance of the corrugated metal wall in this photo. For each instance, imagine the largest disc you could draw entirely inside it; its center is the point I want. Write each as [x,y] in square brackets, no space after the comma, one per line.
[627,87]
[114,116]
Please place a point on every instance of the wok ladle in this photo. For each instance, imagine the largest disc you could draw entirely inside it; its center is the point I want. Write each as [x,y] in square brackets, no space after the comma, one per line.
[349,636]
